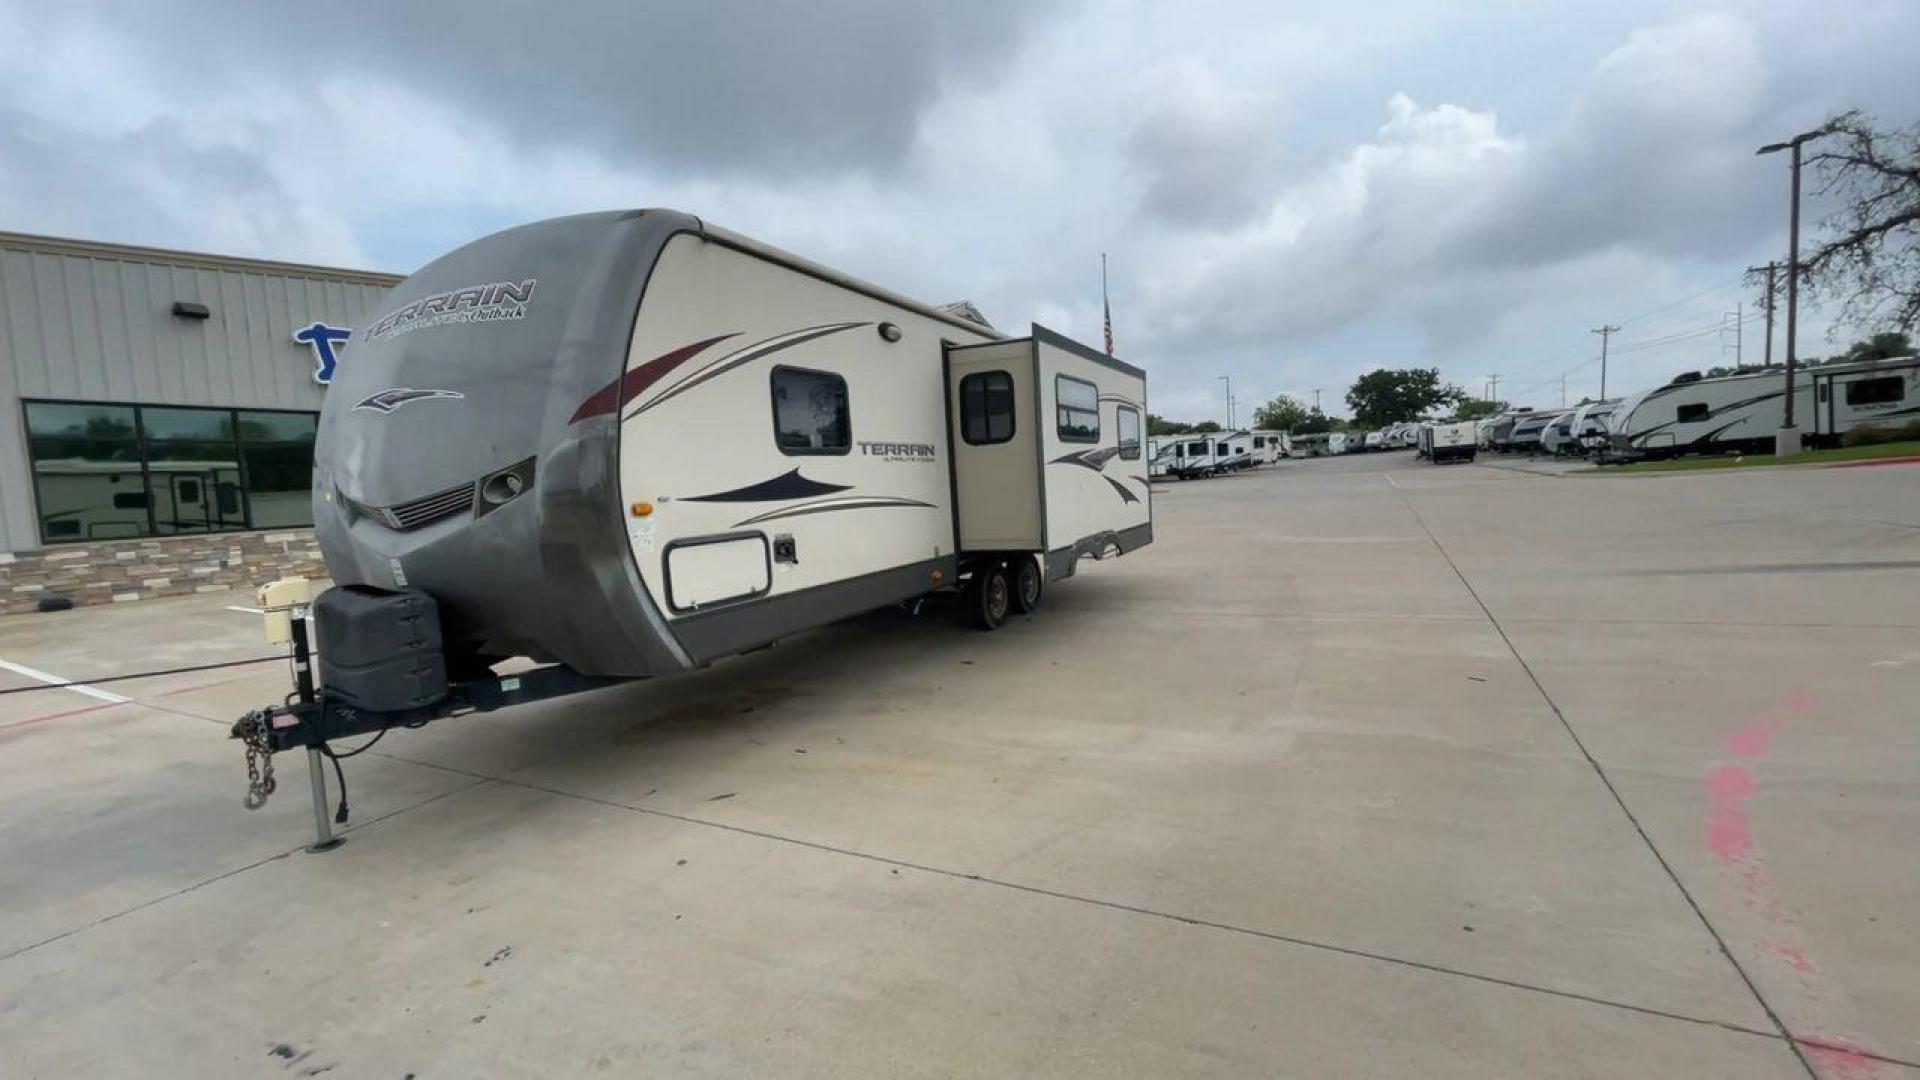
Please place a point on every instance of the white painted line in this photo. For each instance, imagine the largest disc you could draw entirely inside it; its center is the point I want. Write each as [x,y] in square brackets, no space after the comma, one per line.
[1391,480]
[245,610]
[54,680]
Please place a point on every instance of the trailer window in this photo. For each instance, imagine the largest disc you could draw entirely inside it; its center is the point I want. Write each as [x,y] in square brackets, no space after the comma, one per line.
[1079,409]
[1884,390]
[1259,442]
[1196,448]
[1129,421]
[810,412]
[1689,414]
[986,408]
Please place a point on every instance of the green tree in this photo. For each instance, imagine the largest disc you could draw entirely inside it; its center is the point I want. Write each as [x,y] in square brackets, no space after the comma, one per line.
[1878,347]
[1205,426]
[1282,414]
[1477,409]
[1318,423]
[1160,425]
[1388,395]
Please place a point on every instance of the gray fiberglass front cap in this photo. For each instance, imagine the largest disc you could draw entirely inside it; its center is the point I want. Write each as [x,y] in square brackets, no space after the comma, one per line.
[455,455]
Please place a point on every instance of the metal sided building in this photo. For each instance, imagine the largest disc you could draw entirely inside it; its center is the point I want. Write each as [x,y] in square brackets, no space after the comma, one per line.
[157,415]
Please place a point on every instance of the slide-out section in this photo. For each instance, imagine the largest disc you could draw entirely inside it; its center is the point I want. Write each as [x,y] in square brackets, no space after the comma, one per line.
[994,414]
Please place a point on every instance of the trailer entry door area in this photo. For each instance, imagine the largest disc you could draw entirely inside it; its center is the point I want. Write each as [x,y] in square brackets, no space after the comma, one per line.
[993,415]
[715,569]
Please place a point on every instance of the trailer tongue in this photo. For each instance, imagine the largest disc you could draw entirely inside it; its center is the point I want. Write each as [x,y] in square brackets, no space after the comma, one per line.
[381,667]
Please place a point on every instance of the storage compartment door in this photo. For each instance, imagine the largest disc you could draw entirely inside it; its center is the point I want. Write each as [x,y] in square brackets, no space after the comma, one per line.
[992,417]
[710,570]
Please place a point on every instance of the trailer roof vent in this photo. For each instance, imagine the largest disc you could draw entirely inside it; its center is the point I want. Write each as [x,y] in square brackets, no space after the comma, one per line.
[191,309]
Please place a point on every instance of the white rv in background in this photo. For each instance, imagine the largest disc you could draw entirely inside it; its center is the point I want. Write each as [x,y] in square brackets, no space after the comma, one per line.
[1338,442]
[1692,415]
[1269,446]
[1235,450]
[1189,456]
[1557,437]
[1441,443]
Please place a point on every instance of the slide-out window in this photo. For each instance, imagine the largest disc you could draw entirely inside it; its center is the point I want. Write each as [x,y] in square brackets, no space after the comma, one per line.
[1884,390]
[986,408]
[1079,409]
[810,412]
[1692,414]
[1196,448]
[1129,421]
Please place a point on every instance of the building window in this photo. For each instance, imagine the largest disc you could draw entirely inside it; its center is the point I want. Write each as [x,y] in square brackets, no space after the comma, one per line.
[276,450]
[810,412]
[1129,422]
[1884,390]
[986,408]
[1692,414]
[1079,409]
[112,472]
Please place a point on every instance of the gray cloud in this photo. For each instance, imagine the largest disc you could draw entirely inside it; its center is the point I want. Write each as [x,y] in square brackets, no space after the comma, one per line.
[720,86]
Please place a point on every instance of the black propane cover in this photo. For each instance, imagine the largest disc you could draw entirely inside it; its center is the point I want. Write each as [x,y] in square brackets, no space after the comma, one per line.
[379,650]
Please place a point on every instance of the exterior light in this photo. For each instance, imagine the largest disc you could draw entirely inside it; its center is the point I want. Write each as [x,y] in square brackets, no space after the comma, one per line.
[889,331]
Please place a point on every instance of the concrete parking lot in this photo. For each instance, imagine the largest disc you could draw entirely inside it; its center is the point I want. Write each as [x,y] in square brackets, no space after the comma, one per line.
[1364,768]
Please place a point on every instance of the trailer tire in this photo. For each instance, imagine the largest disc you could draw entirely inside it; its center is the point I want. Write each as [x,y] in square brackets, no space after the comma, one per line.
[989,596]
[1029,584]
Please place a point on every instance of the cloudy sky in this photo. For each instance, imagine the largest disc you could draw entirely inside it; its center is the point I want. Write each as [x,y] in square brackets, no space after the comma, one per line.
[1291,194]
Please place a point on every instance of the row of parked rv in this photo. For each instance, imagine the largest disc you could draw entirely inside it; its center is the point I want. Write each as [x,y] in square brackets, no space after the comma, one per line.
[1696,415]
[1201,454]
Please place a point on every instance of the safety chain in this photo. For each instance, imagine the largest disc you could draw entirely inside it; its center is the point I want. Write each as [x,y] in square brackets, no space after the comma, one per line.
[252,732]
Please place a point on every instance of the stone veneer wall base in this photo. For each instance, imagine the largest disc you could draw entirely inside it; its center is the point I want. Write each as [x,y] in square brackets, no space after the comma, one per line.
[118,571]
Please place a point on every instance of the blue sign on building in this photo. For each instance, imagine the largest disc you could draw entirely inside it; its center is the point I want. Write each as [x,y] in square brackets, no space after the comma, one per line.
[325,341]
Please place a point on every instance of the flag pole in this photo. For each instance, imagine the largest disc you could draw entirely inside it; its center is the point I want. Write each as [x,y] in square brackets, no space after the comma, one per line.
[1106,307]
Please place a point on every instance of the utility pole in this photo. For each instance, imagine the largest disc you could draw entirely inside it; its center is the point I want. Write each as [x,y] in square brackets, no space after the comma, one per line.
[1605,332]
[1316,399]
[1563,391]
[1769,268]
[1738,315]
[1791,440]
[1229,382]
[1493,388]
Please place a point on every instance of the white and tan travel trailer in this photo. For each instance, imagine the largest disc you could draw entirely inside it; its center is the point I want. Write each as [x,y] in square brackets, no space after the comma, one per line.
[1744,412]
[633,443]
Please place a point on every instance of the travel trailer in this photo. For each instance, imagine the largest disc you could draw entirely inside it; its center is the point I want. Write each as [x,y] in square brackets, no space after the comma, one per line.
[1692,415]
[1307,446]
[1525,434]
[1269,446]
[1500,429]
[1187,457]
[1557,437]
[1441,443]
[633,443]
[1234,449]
[1339,442]
[1590,425]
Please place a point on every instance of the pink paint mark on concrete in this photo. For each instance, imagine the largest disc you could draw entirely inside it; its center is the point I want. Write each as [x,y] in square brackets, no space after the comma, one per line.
[1795,956]
[1750,741]
[1840,1060]
[1727,832]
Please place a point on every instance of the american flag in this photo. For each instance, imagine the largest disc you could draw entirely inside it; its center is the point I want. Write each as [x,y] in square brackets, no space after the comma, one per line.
[1106,308]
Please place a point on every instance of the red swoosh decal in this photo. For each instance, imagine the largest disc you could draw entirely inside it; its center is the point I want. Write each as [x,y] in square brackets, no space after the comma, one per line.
[614,396]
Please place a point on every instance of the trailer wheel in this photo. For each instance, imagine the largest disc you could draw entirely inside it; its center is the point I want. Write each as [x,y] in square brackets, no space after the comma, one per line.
[1028,584]
[989,597]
